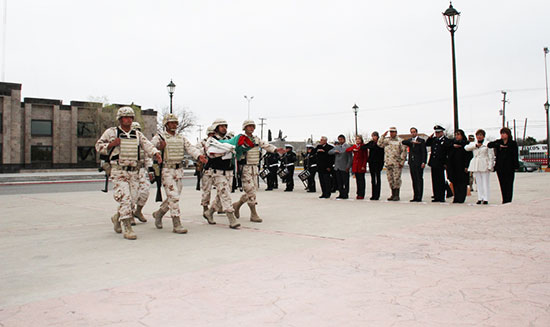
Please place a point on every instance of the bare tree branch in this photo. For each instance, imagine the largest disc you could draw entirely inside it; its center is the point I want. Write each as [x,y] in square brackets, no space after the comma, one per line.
[185,116]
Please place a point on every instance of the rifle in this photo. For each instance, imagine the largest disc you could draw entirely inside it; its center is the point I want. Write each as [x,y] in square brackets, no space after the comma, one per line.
[158,174]
[105,166]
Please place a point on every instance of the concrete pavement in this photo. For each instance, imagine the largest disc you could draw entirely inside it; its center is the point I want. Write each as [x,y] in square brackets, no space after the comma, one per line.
[312,262]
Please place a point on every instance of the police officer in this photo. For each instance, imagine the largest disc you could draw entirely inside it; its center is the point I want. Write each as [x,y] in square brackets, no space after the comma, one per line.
[271,162]
[288,160]
[395,154]
[221,171]
[440,145]
[206,179]
[173,146]
[122,144]
[310,163]
[250,171]
[145,176]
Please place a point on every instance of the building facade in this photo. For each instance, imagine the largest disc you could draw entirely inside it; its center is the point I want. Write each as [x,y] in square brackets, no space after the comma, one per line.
[45,133]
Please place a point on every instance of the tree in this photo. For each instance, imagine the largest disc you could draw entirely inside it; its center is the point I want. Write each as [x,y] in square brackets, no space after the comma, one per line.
[185,116]
[529,140]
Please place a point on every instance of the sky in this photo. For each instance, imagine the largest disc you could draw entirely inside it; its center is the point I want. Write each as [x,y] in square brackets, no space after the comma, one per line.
[305,62]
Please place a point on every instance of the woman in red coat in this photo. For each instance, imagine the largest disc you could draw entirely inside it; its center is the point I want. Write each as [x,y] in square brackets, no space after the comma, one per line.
[359,166]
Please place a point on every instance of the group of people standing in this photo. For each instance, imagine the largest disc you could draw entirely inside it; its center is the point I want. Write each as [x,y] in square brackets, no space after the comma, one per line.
[454,164]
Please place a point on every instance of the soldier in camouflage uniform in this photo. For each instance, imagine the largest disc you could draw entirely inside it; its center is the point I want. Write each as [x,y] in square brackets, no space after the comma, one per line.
[145,177]
[251,171]
[395,154]
[173,146]
[220,168]
[207,182]
[122,144]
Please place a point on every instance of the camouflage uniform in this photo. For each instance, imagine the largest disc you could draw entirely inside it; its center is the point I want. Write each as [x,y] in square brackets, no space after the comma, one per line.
[250,176]
[395,154]
[145,163]
[124,171]
[172,176]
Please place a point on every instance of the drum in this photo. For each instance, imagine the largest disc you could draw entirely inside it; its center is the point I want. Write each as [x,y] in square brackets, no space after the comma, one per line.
[303,176]
[264,173]
[282,172]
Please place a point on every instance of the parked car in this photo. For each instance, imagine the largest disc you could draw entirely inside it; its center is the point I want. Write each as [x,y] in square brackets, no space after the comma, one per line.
[525,166]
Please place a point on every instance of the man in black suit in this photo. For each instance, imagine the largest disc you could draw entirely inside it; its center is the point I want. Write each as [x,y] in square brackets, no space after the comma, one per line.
[325,162]
[439,144]
[417,161]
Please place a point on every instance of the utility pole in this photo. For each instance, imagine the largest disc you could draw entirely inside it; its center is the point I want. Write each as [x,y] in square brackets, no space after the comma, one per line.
[262,128]
[504,101]
[524,132]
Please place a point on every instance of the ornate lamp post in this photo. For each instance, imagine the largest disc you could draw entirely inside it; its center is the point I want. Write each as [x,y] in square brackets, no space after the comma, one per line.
[452,17]
[171,88]
[248,99]
[355,107]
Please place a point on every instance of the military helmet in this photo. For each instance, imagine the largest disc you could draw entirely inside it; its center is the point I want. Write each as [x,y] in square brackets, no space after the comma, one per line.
[209,130]
[136,125]
[125,112]
[169,118]
[218,122]
[248,122]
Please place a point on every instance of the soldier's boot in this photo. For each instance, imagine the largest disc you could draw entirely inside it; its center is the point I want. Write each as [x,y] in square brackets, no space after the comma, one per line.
[396,197]
[128,231]
[139,215]
[208,214]
[178,228]
[232,221]
[132,221]
[116,223]
[392,195]
[158,217]
[254,214]
[237,207]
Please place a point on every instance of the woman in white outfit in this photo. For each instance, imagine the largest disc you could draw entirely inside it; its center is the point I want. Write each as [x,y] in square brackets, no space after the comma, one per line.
[481,165]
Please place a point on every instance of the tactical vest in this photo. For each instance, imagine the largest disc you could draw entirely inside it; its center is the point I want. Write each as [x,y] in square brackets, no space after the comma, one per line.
[253,155]
[129,146]
[173,153]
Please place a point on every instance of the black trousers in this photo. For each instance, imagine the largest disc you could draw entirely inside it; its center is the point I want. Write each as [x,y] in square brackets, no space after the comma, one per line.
[460,189]
[438,183]
[333,181]
[375,183]
[342,182]
[289,179]
[272,178]
[324,180]
[360,181]
[506,181]
[417,176]
[311,180]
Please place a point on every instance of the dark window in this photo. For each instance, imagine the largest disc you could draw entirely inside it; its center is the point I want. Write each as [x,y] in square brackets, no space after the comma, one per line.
[86,154]
[86,129]
[41,127]
[1,122]
[41,153]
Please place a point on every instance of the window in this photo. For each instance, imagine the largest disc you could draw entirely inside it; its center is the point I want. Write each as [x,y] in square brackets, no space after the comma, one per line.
[86,129]
[41,153]
[41,128]
[1,122]
[86,154]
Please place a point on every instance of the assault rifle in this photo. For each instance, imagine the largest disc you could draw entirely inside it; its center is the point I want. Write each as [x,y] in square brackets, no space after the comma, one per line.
[105,166]
[157,168]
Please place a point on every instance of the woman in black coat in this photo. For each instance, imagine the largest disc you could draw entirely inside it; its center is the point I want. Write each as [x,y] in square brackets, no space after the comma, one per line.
[507,162]
[458,161]
[376,164]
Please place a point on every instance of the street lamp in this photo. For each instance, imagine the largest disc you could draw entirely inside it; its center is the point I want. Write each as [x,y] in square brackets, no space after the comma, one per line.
[452,17]
[171,88]
[248,99]
[355,107]
[546,107]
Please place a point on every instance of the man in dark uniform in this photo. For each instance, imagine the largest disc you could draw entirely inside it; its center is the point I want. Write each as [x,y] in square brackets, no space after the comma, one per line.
[439,144]
[271,161]
[310,163]
[417,161]
[324,166]
[288,160]
[376,164]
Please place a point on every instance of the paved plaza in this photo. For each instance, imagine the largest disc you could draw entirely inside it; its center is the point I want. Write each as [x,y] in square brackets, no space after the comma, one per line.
[312,262]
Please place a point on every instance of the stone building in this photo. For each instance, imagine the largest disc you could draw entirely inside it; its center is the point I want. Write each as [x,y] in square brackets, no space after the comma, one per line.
[45,133]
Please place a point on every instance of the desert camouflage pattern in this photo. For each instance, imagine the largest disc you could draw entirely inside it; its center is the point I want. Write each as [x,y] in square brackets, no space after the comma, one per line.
[394,176]
[250,184]
[111,134]
[222,183]
[172,180]
[395,153]
[144,187]
[125,188]
[194,151]
[206,187]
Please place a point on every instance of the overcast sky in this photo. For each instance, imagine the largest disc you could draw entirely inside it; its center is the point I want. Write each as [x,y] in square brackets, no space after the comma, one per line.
[306,62]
